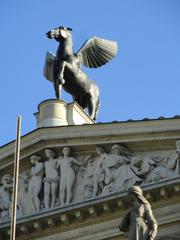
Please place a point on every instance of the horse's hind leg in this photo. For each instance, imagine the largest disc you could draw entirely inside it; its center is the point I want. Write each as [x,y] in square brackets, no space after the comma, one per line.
[92,108]
[93,102]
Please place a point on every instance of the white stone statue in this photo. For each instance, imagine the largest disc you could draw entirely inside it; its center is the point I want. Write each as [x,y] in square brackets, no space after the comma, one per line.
[94,173]
[116,158]
[88,180]
[157,168]
[6,189]
[67,174]
[139,221]
[51,180]
[99,172]
[24,198]
[35,183]
[153,169]
[143,167]
[163,169]
[118,169]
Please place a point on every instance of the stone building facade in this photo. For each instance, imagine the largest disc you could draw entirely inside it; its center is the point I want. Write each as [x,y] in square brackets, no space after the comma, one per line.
[74,179]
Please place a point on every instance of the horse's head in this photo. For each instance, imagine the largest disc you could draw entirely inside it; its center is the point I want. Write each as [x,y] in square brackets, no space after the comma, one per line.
[59,34]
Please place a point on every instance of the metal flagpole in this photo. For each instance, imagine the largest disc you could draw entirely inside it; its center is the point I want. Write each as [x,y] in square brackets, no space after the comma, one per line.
[15,184]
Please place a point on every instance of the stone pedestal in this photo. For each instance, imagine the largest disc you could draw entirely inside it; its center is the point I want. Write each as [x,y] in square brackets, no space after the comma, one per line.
[54,112]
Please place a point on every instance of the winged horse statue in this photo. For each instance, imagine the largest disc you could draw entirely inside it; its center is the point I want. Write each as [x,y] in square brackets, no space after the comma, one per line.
[64,68]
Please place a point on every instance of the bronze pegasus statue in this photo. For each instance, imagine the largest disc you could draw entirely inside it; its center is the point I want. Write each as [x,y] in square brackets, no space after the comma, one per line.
[64,68]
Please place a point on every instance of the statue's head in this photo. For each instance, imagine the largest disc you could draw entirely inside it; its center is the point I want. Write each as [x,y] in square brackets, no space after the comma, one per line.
[66,151]
[100,150]
[34,158]
[136,193]
[49,153]
[121,150]
[136,190]
[59,34]
[6,179]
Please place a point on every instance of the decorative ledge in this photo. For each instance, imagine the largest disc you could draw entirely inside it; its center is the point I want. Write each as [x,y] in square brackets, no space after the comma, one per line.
[101,207]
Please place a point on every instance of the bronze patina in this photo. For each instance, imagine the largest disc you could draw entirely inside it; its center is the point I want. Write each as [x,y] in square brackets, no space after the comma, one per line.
[64,68]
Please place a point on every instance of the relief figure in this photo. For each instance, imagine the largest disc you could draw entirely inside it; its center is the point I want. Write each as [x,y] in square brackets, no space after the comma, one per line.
[67,174]
[24,198]
[5,196]
[51,180]
[88,181]
[163,169]
[35,183]
[143,167]
[99,172]
[117,165]
[93,173]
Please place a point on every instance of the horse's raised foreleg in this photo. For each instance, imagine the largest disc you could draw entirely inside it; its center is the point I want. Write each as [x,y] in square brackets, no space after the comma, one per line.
[64,65]
[60,79]
[56,81]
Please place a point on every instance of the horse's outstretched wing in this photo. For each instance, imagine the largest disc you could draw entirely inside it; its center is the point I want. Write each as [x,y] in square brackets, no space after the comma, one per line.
[96,52]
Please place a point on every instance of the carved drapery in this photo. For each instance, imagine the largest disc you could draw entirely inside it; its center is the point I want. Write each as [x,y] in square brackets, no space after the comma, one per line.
[61,180]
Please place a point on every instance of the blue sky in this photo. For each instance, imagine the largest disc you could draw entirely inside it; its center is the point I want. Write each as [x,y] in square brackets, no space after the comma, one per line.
[143,81]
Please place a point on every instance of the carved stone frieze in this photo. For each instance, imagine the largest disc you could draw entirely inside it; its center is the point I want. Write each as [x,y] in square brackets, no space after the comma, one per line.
[55,180]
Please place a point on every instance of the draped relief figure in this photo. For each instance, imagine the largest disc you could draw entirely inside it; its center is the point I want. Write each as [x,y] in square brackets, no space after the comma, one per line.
[24,197]
[162,169]
[6,188]
[118,169]
[35,183]
[109,172]
[143,166]
[65,163]
[88,181]
[139,221]
[99,172]
[51,180]
[96,174]
[153,169]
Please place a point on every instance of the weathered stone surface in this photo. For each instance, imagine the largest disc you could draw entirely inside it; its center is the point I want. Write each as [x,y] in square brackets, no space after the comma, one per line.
[101,162]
